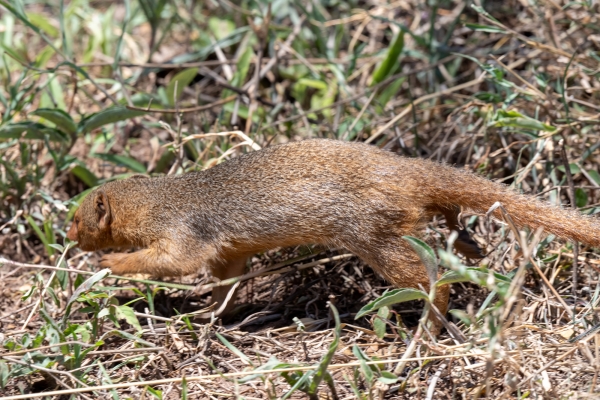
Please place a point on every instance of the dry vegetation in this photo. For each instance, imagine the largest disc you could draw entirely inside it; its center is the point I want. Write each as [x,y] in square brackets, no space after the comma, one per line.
[504,88]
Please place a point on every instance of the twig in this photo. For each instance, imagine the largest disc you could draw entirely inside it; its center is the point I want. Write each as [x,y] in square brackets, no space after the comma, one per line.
[420,100]
[565,160]
[246,141]
[43,293]
[188,109]
[261,33]
[384,83]
[54,371]
[274,270]
[197,378]
[360,114]
[273,61]
[5,261]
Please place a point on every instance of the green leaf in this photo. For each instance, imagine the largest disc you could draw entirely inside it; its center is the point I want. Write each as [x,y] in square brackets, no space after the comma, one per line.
[463,316]
[58,117]
[326,359]
[391,60]
[85,175]
[364,367]
[313,83]
[393,297]
[594,175]
[243,65]
[125,161]
[390,91]
[87,285]
[108,116]
[152,10]
[129,336]
[28,293]
[30,130]
[481,11]
[574,168]
[526,123]
[221,28]
[242,112]
[141,99]
[44,56]
[184,389]
[81,289]
[42,22]
[167,157]
[127,313]
[427,256]
[57,246]
[485,28]
[387,378]
[488,97]
[155,392]
[581,198]
[379,325]
[588,152]
[233,349]
[515,119]
[272,363]
[475,275]
[181,80]
[4,374]
[300,383]
[41,235]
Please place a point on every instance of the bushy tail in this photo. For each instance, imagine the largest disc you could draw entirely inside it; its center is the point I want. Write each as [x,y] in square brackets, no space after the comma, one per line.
[455,187]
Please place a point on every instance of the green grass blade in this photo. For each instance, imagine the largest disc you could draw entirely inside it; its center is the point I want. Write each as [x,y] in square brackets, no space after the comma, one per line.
[58,117]
[179,82]
[391,60]
[108,116]
[326,360]
[392,297]
[125,161]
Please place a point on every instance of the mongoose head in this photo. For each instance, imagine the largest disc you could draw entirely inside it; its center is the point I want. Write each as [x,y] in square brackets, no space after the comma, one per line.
[92,222]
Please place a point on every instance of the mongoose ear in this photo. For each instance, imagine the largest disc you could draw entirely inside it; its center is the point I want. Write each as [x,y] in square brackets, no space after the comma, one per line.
[102,207]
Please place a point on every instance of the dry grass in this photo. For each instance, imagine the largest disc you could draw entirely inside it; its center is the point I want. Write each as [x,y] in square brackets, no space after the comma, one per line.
[512,98]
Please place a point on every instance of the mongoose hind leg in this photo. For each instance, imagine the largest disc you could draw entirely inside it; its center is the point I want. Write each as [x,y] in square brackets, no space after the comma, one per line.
[464,244]
[398,263]
[226,268]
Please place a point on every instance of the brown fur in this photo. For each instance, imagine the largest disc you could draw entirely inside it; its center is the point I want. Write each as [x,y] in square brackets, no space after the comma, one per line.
[325,192]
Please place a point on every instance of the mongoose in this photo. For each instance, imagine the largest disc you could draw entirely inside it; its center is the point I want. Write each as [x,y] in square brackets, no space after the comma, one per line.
[326,192]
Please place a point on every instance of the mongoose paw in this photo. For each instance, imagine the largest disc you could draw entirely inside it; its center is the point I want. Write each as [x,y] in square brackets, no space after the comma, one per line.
[118,263]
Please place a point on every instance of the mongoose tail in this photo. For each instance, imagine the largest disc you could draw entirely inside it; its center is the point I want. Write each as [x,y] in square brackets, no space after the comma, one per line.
[479,194]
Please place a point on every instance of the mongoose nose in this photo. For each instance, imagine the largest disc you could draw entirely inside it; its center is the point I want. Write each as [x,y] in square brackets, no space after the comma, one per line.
[72,234]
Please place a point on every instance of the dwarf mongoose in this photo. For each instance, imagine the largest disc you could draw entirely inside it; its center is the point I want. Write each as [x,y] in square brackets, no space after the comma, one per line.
[326,192]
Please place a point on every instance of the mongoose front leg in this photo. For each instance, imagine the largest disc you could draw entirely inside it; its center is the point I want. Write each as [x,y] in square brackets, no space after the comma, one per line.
[227,268]
[155,260]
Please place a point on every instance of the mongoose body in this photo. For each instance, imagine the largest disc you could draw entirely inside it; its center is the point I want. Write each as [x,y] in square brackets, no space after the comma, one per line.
[327,192]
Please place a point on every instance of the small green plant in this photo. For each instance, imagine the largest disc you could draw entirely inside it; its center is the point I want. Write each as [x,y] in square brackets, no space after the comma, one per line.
[496,283]
[305,381]
[71,342]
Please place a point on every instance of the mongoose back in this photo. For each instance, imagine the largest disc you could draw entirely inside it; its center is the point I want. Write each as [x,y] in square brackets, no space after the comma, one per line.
[326,192]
